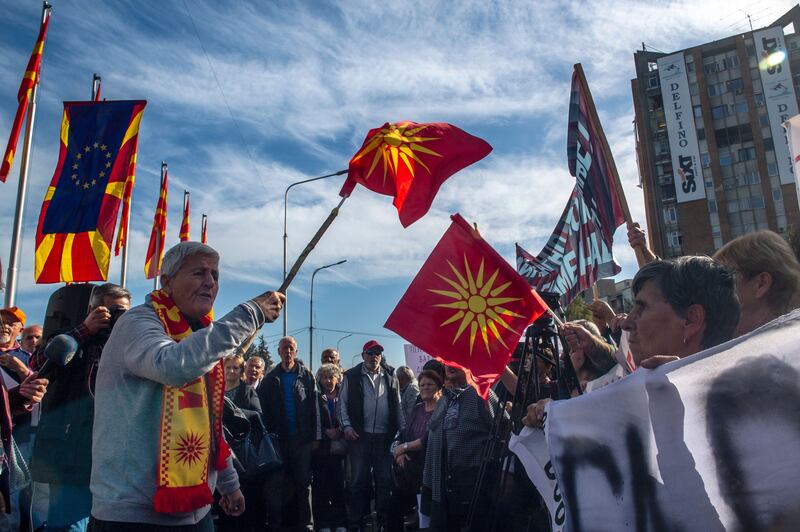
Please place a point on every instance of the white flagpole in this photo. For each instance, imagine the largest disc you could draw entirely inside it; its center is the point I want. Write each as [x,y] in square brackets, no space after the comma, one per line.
[16,235]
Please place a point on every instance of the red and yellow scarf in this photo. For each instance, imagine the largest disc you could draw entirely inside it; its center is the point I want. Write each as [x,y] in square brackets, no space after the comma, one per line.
[191,430]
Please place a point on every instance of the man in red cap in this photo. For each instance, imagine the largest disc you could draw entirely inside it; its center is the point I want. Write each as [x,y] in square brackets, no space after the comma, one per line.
[370,415]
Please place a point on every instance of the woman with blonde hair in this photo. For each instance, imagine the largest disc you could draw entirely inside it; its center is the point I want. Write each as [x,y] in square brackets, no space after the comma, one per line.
[767,277]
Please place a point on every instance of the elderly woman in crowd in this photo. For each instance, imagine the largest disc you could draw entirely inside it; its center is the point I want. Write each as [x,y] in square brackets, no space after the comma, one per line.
[409,451]
[328,494]
[680,308]
[459,426]
[767,277]
[236,390]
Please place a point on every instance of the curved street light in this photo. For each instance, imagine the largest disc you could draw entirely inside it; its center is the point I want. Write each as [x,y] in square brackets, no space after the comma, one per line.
[285,237]
[339,341]
[311,313]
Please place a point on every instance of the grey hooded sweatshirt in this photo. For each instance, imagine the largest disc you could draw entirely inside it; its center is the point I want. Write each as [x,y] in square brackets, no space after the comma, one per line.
[138,359]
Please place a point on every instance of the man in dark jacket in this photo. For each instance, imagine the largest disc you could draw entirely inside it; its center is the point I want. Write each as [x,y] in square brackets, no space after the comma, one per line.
[370,415]
[62,453]
[288,396]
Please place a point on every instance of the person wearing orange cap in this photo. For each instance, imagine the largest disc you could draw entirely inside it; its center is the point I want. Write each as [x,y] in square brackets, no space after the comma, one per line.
[13,358]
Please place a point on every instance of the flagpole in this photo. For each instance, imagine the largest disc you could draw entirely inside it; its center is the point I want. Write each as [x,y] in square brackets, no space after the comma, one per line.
[157,252]
[640,257]
[16,235]
[96,87]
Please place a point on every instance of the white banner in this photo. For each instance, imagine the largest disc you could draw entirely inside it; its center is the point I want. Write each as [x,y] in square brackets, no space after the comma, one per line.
[415,358]
[779,94]
[686,168]
[706,443]
[792,127]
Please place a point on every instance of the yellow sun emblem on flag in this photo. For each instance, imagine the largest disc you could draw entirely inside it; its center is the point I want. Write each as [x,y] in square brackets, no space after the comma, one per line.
[478,304]
[394,144]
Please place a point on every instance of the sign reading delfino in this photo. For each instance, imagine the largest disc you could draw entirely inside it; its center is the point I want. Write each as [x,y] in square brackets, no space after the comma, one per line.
[779,94]
[681,129]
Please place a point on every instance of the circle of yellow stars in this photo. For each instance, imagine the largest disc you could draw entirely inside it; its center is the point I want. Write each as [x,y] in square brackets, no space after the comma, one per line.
[88,183]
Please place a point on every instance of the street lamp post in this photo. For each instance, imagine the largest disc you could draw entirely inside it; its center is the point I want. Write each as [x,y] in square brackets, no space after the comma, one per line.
[311,313]
[338,342]
[285,237]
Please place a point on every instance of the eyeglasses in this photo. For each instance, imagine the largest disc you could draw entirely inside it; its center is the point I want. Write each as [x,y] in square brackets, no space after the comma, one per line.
[374,353]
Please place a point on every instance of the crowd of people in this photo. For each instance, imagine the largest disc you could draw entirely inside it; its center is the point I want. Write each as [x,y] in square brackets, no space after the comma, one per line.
[150,418]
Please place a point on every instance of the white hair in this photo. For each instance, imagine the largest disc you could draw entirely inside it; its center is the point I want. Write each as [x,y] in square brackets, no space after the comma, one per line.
[177,255]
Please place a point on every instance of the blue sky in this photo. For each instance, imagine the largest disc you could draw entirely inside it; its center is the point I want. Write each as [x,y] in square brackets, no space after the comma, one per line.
[245,98]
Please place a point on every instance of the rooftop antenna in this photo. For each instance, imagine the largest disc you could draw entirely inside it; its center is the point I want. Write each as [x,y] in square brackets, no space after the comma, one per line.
[749,19]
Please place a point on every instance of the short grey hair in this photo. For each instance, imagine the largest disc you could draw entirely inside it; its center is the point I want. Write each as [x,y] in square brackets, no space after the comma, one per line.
[99,293]
[177,255]
[329,369]
[406,372]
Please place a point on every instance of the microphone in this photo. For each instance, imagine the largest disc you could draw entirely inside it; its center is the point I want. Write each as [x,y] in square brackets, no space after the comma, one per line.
[59,352]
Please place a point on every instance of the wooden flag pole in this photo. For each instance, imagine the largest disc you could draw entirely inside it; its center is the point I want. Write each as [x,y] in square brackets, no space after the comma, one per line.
[640,254]
[22,190]
[310,247]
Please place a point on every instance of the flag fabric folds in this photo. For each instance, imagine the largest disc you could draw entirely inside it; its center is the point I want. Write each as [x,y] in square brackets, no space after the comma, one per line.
[467,305]
[410,161]
[184,234]
[579,249]
[122,232]
[79,212]
[29,80]
[155,249]
[203,227]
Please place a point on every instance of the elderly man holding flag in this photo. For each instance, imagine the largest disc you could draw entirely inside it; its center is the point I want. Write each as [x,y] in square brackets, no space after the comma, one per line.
[158,449]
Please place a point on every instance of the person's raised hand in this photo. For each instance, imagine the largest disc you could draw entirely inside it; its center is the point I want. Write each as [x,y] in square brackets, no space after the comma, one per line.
[270,304]
[616,322]
[577,337]
[636,236]
[97,320]
[33,388]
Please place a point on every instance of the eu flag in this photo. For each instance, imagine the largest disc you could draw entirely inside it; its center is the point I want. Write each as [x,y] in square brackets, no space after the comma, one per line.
[79,213]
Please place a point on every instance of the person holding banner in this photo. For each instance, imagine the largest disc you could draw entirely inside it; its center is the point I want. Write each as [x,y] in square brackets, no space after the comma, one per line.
[680,308]
[767,277]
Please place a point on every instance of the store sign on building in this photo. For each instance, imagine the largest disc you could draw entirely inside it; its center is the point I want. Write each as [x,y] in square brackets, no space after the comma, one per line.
[681,130]
[779,94]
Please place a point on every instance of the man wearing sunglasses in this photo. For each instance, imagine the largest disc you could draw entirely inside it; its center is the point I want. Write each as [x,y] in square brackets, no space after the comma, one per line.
[370,416]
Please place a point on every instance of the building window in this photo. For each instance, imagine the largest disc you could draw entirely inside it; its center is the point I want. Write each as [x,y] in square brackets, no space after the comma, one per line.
[741,107]
[701,134]
[720,111]
[769,144]
[698,111]
[751,50]
[747,154]
[709,66]
[716,89]
[759,97]
[757,202]
[652,82]
[730,62]
[776,194]
[705,160]
[751,178]
[709,183]
[735,85]
[712,206]
[733,206]
[694,90]
[670,215]
[772,169]
[763,120]
[674,238]
[689,66]
[652,66]
[725,159]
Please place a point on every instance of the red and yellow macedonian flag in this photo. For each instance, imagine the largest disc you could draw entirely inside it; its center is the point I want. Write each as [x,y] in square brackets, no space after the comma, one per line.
[467,305]
[410,161]
[29,80]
